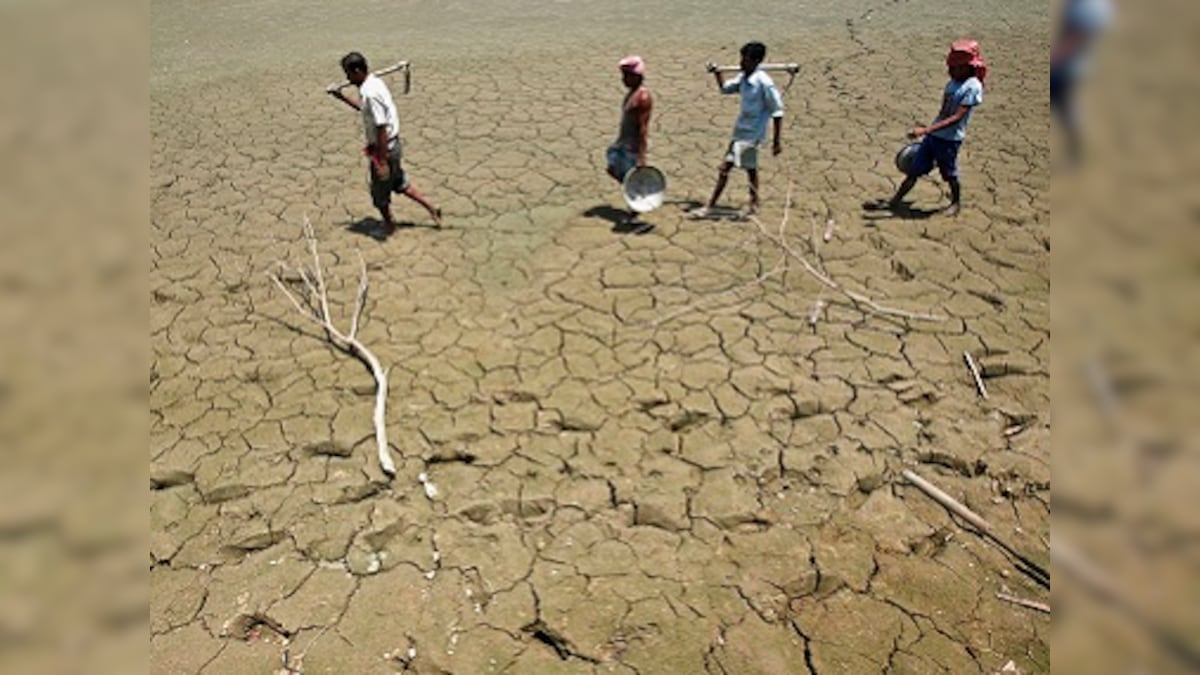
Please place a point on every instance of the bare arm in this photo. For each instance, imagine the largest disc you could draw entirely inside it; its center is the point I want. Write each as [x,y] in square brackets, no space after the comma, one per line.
[712,68]
[776,146]
[645,104]
[337,93]
[942,123]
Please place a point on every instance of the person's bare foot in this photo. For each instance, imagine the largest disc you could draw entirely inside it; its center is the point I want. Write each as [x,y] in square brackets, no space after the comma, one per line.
[951,210]
[437,217]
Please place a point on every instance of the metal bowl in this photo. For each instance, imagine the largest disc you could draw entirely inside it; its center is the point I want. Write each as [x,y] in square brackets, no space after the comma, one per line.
[904,158]
[644,188]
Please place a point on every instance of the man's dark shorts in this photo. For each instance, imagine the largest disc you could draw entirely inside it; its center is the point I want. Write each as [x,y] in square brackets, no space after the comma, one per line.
[382,188]
[937,151]
[1062,89]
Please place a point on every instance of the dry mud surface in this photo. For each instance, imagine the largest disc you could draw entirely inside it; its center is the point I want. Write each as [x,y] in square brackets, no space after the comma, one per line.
[646,461]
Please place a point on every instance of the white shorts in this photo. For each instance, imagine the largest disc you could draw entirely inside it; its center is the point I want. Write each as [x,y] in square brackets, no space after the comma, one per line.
[742,154]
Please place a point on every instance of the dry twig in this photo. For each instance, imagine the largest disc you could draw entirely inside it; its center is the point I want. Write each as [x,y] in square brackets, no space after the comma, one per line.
[859,300]
[316,309]
[780,238]
[1039,573]
[975,374]
[1031,604]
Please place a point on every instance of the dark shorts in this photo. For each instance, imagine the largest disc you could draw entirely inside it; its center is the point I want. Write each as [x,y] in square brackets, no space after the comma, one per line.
[382,188]
[1062,87]
[937,151]
[620,160]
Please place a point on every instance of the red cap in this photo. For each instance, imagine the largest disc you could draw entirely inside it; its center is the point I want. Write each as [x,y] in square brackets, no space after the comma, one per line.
[966,53]
[633,64]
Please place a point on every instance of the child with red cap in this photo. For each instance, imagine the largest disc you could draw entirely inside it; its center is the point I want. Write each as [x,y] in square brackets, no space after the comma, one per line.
[945,135]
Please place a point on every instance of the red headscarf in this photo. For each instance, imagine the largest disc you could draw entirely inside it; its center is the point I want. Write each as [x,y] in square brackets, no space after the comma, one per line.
[966,53]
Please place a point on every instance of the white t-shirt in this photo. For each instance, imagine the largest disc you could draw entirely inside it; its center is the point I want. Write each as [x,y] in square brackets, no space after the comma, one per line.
[760,102]
[378,109]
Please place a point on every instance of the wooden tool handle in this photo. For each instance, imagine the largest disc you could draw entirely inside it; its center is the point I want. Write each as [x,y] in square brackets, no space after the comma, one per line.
[769,67]
[399,65]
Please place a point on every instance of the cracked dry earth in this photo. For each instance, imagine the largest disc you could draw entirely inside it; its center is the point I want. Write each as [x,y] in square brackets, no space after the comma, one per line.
[645,461]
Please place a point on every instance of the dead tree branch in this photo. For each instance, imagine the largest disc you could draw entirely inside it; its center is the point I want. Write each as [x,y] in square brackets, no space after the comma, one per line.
[859,300]
[779,237]
[315,308]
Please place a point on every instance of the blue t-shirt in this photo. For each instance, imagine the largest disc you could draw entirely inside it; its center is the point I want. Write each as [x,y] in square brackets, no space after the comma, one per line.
[1088,16]
[1084,19]
[969,92]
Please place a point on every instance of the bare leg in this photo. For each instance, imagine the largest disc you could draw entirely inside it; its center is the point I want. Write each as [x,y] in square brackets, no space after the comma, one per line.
[385,212]
[955,197]
[752,176]
[434,212]
[902,191]
[722,180]
[1062,92]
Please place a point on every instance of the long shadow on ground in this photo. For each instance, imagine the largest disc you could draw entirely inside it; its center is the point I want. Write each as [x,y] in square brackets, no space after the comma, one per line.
[623,222]
[375,229]
[875,211]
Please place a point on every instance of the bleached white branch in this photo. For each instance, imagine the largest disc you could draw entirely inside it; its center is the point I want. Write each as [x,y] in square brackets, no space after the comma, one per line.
[975,374]
[319,313]
[859,300]
[1031,604]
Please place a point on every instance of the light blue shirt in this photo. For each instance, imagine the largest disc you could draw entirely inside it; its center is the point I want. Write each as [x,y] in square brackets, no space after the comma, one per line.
[761,101]
[969,92]
[1086,18]
[1089,16]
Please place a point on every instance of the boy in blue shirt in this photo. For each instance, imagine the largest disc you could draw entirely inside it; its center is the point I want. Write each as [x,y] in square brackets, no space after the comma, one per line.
[761,102]
[945,135]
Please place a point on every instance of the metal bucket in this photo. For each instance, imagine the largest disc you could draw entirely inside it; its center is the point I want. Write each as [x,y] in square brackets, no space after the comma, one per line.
[904,158]
[644,188]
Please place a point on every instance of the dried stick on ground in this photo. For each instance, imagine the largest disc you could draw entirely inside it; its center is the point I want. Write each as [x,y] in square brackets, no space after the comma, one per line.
[857,299]
[316,309]
[1031,604]
[1040,574]
[975,374]
[860,301]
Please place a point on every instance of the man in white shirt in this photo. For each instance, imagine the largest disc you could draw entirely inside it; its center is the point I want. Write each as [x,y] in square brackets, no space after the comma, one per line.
[761,102]
[381,126]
